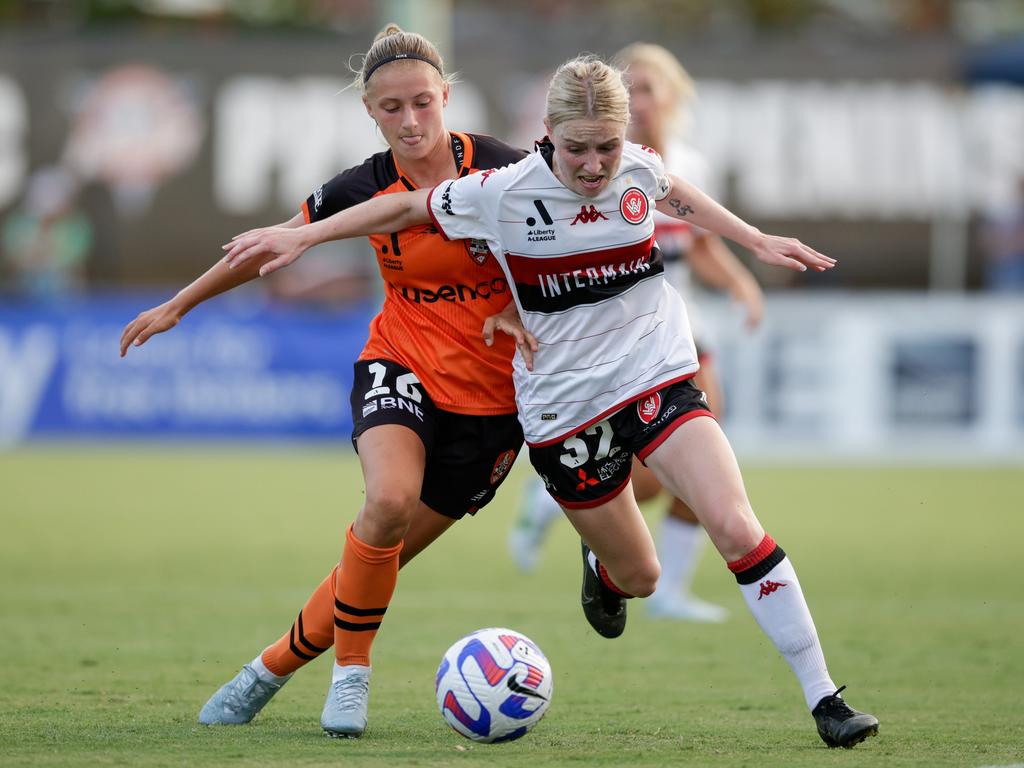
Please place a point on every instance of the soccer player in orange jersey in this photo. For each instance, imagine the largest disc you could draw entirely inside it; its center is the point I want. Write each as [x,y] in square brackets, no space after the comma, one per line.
[433,407]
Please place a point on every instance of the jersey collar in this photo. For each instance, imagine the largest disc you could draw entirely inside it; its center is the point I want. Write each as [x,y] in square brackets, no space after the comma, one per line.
[462,152]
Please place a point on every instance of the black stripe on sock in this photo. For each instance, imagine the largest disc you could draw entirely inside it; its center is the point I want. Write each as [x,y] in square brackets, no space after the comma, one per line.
[757,572]
[295,649]
[342,624]
[353,611]
[302,638]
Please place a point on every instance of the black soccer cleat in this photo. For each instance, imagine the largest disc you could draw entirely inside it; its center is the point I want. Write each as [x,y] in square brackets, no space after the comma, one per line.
[604,609]
[839,725]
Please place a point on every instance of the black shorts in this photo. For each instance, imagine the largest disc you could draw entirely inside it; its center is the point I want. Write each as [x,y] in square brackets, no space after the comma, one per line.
[468,457]
[592,466]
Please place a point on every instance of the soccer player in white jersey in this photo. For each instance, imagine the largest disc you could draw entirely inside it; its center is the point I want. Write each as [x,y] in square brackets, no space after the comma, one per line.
[660,91]
[572,227]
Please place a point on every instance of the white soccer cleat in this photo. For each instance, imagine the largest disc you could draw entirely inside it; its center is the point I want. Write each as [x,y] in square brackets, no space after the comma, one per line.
[348,698]
[239,700]
[683,607]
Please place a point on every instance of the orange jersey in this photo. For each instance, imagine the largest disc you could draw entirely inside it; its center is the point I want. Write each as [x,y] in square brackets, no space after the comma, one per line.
[437,293]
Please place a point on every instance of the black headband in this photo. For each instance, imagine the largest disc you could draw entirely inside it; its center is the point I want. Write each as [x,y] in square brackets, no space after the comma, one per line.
[399,57]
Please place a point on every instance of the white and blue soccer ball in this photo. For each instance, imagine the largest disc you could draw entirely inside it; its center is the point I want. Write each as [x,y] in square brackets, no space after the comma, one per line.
[493,685]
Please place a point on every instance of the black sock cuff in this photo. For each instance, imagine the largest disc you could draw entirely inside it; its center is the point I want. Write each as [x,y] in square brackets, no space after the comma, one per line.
[761,568]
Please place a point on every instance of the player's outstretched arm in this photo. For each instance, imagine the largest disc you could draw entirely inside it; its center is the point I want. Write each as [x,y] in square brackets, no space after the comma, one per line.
[509,322]
[216,280]
[717,266]
[685,201]
[386,213]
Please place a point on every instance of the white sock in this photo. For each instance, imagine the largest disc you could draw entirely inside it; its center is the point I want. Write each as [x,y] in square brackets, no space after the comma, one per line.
[778,605]
[679,546]
[540,510]
[339,671]
[265,674]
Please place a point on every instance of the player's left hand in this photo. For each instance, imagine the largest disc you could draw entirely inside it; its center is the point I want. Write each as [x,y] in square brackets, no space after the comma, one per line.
[508,322]
[790,253]
[748,293]
[285,244]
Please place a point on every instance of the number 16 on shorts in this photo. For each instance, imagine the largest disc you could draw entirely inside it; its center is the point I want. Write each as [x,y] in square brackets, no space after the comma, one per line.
[384,392]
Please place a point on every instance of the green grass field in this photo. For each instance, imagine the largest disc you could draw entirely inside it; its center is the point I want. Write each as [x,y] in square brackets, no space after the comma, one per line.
[134,582]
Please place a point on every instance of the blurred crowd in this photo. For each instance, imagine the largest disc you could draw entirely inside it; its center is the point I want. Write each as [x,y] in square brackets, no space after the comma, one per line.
[135,129]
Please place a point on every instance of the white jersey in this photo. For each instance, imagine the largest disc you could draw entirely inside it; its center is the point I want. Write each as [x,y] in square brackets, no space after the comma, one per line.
[588,281]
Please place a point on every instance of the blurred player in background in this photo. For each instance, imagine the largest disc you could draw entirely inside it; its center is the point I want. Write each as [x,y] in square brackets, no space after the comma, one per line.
[433,408]
[660,94]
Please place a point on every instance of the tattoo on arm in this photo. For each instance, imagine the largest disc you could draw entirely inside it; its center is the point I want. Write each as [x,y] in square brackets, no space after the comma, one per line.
[680,209]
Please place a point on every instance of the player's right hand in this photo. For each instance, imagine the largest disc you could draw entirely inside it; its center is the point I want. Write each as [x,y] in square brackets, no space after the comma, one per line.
[510,323]
[149,323]
[285,244]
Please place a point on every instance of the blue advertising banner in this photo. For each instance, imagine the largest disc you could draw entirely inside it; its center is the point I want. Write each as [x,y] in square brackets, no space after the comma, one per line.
[232,368]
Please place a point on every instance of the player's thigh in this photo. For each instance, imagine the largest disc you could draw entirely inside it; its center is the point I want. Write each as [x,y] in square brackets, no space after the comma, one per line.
[588,475]
[394,422]
[696,464]
[469,460]
[645,484]
[393,461]
[619,537]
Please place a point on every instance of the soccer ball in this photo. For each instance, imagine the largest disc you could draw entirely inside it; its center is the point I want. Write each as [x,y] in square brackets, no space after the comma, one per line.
[493,685]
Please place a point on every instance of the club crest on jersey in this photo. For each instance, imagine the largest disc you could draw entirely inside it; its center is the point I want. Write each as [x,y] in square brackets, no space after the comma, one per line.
[648,408]
[478,251]
[502,466]
[634,205]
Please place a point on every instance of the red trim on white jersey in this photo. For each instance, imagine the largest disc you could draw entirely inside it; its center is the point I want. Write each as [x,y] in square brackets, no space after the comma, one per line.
[613,409]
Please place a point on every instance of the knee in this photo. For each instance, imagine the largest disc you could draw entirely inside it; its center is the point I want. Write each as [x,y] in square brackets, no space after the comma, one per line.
[736,532]
[387,513]
[640,579]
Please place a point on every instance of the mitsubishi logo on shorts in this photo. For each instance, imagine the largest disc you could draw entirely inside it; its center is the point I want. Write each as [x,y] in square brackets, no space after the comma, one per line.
[587,216]
[648,408]
[584,480]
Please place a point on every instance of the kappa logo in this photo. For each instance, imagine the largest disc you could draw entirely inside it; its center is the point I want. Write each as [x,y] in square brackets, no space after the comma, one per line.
[634,205]
[769,587]
[587,216]
[647,409]
[502,466]
[318,199]
[654,152]
[446,200]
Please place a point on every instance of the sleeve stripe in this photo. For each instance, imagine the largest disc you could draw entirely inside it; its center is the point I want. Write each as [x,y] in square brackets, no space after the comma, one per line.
[305,211]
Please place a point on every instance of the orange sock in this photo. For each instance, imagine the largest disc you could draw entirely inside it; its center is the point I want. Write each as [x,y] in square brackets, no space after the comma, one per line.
[365,582]
[310,635]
